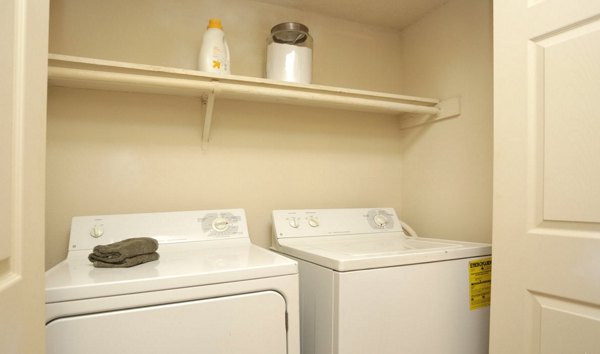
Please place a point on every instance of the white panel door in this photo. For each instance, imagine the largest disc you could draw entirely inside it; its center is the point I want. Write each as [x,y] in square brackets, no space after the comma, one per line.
[23,77]
[252,323]
[546,240]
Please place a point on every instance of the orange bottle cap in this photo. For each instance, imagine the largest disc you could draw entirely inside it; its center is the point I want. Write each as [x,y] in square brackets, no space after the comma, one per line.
[214,23]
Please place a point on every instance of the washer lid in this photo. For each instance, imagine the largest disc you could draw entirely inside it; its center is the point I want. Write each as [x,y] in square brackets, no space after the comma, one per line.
[367,251]
[180,265]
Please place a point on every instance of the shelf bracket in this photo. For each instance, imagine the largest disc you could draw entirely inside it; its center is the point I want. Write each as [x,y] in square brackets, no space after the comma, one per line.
[449,108]
[208,104]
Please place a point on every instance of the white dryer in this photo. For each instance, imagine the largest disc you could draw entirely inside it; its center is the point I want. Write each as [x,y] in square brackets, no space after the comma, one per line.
[212,291]
[367,287]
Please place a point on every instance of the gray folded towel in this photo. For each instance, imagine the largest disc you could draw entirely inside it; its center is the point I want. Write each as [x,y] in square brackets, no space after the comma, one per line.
[119,252]
[128,262]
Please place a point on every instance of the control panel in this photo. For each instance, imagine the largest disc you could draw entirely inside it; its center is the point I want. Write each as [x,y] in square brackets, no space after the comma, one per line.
[329,222]
[185,226]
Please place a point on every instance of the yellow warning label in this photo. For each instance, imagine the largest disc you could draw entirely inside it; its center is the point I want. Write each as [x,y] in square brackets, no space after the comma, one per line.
[480,282]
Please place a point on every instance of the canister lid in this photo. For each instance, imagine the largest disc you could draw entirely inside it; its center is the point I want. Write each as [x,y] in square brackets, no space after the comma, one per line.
[289,32]
[289,26]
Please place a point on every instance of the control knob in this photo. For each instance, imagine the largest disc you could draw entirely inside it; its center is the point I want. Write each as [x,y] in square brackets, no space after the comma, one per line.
[380,220]
[220,224]
[97,230]
[294,222]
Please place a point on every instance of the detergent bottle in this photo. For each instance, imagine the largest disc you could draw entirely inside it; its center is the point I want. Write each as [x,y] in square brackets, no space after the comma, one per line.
[214,52]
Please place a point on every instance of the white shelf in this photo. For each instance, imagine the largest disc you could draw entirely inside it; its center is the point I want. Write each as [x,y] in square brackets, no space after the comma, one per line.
[78,72]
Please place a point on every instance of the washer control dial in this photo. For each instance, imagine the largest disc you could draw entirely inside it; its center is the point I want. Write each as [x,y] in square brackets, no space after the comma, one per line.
[293,222]
[380,220]
[313,221]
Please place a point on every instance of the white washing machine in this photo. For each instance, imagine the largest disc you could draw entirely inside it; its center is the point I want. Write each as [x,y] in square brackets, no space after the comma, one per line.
[212,291]
[366,286]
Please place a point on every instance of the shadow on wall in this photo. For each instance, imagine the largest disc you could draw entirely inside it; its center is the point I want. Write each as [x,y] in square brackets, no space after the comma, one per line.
[106,118]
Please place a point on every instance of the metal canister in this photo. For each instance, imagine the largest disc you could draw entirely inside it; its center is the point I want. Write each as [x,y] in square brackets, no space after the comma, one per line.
[289,53]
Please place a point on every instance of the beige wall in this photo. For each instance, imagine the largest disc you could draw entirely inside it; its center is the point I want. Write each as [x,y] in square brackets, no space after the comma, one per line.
[447,166]
[169,33]
[118,153]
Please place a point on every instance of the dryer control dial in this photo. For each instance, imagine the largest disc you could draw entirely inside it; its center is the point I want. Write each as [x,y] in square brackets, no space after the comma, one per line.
[220,224]
[313,221]
[97,230]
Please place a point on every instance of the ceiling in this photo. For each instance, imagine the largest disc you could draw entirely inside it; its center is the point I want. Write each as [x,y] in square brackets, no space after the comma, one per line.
[395,14]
